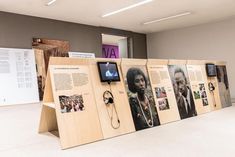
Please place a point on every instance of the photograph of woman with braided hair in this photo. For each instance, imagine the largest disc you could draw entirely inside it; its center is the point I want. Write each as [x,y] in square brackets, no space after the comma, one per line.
[141,99]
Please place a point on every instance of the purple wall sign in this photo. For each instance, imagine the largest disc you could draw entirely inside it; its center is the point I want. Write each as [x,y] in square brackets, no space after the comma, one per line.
[110,51]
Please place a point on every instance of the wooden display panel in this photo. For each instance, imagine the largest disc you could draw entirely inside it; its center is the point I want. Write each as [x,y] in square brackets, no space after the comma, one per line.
[48,121]
[182,89]
[120,101]
[163,90]
[199,86]
[139,93]
[214,94]
[81,124]
[223,84]
[41,71]
[177,62]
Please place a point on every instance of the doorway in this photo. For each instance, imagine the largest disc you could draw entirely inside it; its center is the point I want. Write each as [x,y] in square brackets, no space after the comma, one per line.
[114,46]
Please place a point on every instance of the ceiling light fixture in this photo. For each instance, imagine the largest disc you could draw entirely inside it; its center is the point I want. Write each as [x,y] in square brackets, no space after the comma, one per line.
[51,2]
[127,8]
[167,18]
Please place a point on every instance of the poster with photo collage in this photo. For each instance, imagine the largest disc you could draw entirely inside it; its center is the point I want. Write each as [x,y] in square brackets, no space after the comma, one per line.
[163,91]
[199,87]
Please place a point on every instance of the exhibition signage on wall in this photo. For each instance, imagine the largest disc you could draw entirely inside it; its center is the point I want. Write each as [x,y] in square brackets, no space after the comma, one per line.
[81,55]
[18,79]
[110,51]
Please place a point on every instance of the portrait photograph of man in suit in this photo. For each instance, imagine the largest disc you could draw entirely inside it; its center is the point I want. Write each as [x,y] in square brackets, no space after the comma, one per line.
[182,91]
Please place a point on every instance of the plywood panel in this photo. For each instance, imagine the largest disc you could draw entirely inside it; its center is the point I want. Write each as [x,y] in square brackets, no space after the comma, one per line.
[163,91]
[48,96]
[183,93]
[139,93]
[214,94]
[223,84]
[195,62]
[221,63]
[71,85]
[41,71]
[157,61]
[126,61]
[209,96]
[48,120]
[120,100]
[199,86]
[177,62]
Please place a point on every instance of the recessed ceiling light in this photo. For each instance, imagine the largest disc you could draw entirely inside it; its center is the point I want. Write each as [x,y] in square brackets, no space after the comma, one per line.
[127,8]
[167,18]
[50,2]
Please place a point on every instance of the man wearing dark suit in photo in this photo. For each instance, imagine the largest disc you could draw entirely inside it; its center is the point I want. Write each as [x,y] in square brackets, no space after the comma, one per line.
[184,95]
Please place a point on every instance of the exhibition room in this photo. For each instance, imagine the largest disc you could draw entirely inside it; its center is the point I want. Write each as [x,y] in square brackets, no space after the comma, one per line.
[117,78]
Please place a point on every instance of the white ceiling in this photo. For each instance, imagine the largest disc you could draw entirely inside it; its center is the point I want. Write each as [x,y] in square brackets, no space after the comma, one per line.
[90,12]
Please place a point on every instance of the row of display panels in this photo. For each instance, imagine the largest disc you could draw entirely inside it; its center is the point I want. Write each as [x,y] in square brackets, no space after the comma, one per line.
[114,97]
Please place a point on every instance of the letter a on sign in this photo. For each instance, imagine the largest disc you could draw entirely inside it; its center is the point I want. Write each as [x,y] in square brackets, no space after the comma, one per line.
[112,54]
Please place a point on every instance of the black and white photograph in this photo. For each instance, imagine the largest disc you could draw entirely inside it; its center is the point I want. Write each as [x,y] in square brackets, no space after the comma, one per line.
[205,102]
[183,93]
[203,94]
[141,98]
[71,103]
[160,92]
[202,87]
[223,86]
[163,104]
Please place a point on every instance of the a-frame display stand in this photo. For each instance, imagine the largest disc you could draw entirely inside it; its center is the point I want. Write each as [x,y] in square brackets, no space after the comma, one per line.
[48,122]
[74,128]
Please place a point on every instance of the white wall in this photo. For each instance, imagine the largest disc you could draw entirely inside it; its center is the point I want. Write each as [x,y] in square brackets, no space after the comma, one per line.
[215,41]
[122,45]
